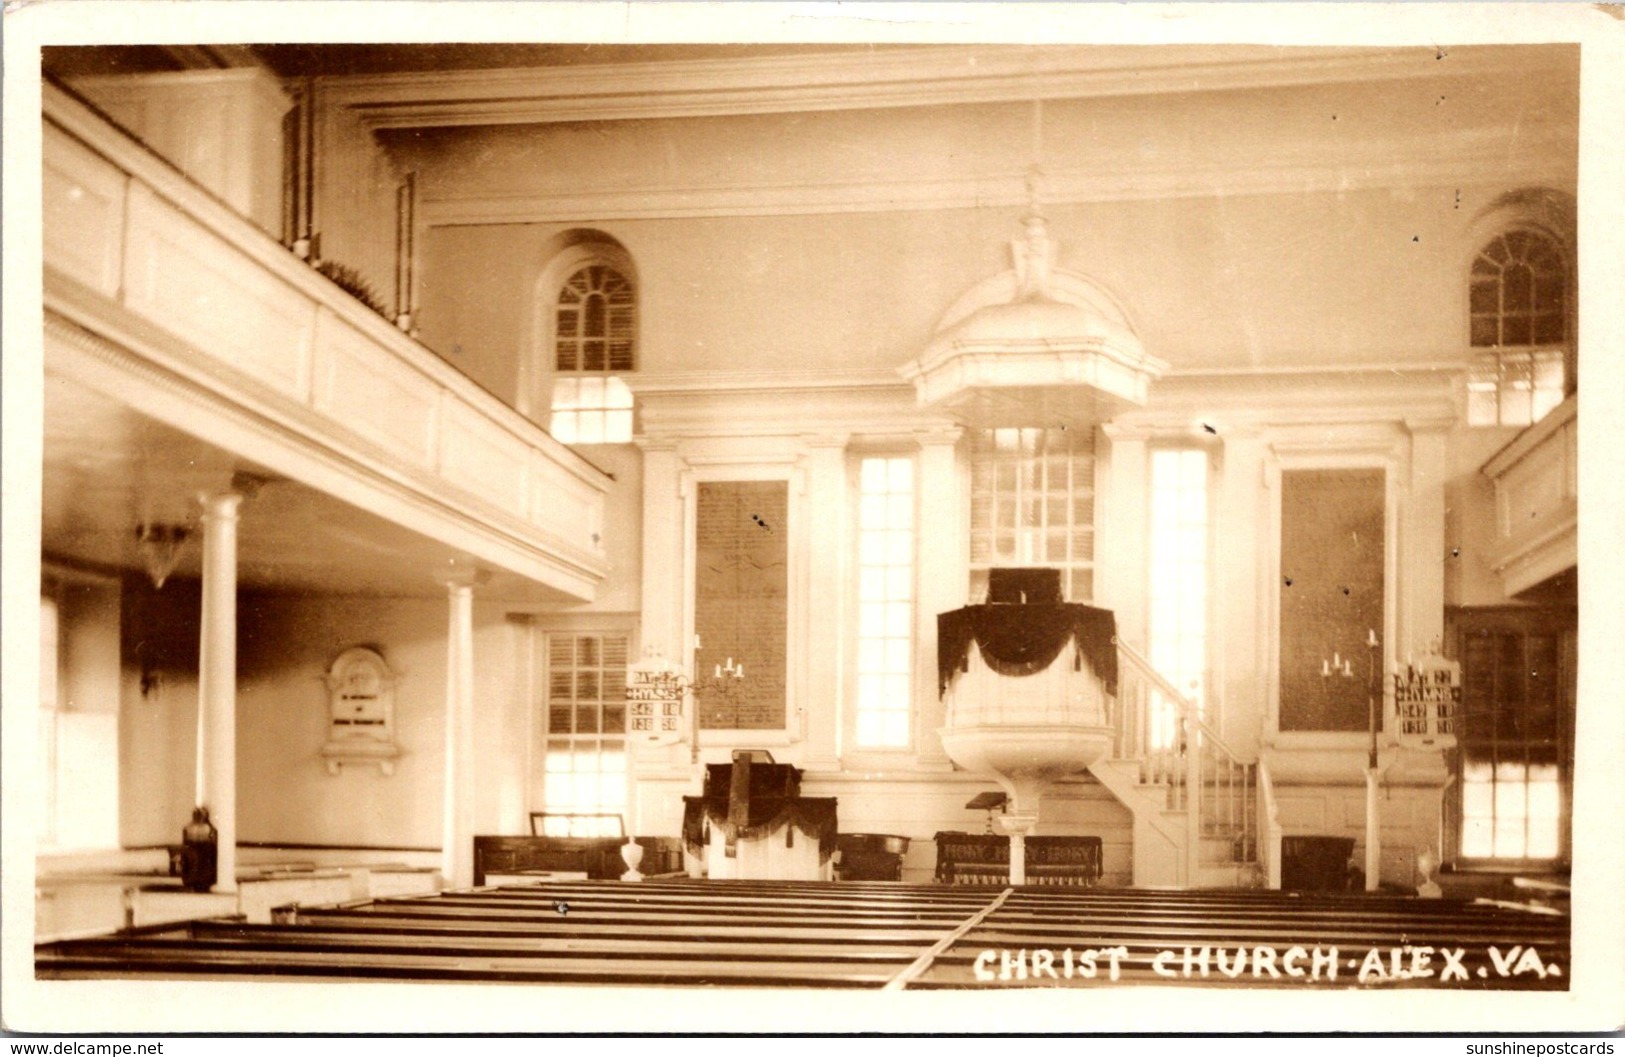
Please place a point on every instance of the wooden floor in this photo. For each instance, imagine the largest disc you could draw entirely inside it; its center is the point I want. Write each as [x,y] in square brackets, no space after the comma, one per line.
[859,935]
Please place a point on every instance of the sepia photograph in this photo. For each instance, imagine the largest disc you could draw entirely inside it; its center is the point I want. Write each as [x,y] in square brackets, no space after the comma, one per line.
[812,518]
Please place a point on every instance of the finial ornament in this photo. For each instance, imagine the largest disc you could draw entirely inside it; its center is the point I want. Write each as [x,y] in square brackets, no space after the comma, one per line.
[1032,252]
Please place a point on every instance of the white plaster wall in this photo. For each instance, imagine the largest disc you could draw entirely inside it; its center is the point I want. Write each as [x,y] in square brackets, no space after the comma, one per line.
[1409,817]
[1470,536]
[285,794]
[623,526]
[918,808]
[158,731]
[1257,281]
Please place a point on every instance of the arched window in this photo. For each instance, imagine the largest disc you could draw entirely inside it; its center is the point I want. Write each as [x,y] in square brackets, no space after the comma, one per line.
[1518,319]
[593,325]
[589,317]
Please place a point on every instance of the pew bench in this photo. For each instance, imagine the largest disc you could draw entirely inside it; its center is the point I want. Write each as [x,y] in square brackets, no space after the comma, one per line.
[854,934]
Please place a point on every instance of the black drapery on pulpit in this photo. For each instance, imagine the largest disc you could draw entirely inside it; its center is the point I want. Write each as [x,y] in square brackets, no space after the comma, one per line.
[1018,640]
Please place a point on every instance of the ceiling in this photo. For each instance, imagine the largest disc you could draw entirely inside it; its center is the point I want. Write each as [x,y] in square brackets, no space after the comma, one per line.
[108,469]
[323,60]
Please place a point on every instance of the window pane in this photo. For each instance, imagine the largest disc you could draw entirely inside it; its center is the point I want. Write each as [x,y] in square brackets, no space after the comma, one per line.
[1516,329]
[1476,839]
[872,512]
[1549,293]
[1510,800]
[1542,841]
[1517,289]
[900,511]
[872,583]
[1042,506]
[1544,800]
[1548,329]
[1509,842]
[900,476]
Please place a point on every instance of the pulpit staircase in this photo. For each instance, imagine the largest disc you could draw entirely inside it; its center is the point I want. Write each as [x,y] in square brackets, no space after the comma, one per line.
[1204,817]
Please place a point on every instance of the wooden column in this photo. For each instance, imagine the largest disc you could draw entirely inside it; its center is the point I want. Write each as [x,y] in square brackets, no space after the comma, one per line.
[827,598]
[217,681]
[1422,543]
[457,823]
[1122,530]
[662,587]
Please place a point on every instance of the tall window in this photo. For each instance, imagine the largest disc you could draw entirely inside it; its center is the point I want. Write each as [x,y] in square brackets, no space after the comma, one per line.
[1033,504]
[1515,732]
[1518,317]
[885,601]
[1179,576]
[584,769]
[593,328]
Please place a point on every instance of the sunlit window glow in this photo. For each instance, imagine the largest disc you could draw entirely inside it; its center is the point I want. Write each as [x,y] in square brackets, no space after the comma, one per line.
[1510,811]
[591,410]
[885,602]
[584,753]
[1179,580]
[1033,504]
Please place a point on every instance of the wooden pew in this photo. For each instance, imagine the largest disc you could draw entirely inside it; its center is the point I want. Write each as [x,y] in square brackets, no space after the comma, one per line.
[858,935]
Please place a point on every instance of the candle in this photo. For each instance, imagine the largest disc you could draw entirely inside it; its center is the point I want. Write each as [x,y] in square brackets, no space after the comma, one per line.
[1371,637]
[739,672]
[719,671]
[1325,667]
[1337,660]
[1348,668]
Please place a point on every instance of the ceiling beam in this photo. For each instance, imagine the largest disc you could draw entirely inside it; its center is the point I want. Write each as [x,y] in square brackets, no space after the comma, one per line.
[897,77]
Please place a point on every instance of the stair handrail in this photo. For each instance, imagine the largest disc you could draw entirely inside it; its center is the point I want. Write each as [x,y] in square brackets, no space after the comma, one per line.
[1206,738]
[1186,706]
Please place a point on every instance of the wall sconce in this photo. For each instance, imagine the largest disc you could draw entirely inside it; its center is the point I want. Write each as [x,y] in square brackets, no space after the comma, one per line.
[160,547]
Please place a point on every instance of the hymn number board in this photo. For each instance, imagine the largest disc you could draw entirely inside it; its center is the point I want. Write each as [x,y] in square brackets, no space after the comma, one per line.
[1427,698]
[654,704]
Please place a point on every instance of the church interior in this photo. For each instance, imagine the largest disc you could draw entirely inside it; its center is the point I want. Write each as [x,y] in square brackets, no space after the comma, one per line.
[848,487]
